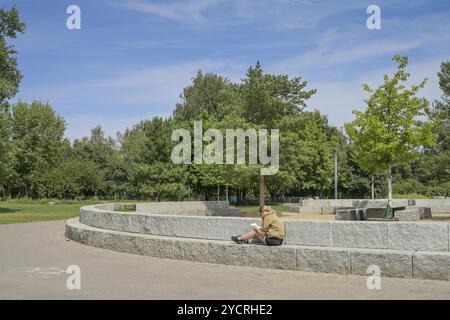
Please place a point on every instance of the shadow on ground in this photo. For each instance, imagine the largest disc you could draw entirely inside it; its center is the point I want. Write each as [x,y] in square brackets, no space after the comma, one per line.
[444,217]
[7,210]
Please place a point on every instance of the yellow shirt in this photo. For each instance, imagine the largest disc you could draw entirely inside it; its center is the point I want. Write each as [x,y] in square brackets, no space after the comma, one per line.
[273,226]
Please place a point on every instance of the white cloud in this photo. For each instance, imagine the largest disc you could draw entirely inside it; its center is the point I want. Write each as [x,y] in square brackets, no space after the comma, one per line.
[347,45]
[278,14]
[188,11]
[282,14]
[324,58]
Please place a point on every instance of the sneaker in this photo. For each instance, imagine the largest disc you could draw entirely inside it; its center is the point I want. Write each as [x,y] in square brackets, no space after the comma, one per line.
[236,239]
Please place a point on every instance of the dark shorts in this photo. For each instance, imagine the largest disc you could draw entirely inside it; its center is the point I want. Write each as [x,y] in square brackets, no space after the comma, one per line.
[273,241]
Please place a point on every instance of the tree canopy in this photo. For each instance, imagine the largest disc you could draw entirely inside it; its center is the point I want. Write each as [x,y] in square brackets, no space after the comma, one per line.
[389,132]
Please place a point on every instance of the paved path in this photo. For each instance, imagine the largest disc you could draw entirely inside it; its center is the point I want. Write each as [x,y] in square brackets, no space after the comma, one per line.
[34,256]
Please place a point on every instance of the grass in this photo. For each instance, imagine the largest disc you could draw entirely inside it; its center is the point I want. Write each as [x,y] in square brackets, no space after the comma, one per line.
[11,212]
[25,210]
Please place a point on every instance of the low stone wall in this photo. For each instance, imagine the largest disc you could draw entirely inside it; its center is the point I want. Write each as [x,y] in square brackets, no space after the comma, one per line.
[429,236]
[197,208]
[374,235]
[393,263]
[213,228]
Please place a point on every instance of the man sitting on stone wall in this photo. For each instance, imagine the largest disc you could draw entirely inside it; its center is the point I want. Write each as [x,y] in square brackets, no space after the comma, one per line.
[271,233]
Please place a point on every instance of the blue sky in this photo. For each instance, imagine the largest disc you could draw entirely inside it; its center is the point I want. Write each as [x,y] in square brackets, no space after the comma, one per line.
[131,58]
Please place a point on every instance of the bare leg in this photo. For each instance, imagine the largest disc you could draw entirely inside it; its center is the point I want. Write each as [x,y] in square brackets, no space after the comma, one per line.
[261,236]
[252,234]
[248,235]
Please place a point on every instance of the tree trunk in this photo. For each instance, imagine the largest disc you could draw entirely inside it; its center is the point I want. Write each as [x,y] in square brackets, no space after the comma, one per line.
[389,185]
[218,192]
[261,191]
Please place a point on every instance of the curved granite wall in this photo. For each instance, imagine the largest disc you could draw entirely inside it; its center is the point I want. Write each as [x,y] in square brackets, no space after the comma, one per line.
[392,263]
[418,236]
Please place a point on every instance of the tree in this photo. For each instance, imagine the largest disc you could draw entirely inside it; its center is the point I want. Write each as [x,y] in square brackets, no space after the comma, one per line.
[440,111]
[10,77]
[306,153]
[72,178]
[103,152]
[388,131]
[209,93]
[152,174]
[5,148]
[267,98]
[433,169]
[160,180]
[37,137]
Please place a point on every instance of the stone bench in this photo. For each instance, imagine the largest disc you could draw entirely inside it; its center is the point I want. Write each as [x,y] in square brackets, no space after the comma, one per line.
[413,214]
[351,214]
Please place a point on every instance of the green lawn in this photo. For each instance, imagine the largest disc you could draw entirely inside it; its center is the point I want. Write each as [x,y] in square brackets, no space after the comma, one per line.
[21,211]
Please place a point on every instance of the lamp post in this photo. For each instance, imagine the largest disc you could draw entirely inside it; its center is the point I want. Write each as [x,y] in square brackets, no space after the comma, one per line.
[335,174]
[373,187]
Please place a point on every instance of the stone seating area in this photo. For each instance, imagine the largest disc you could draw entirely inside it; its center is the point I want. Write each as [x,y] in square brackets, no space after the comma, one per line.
[401,249]
[404,210]
[330,206]
[413,214]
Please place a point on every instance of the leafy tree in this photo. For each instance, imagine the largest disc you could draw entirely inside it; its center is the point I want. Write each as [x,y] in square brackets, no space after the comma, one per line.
[267,98]
[433,169]
[10,76]
[208,94]
[440,111]
[37,138]
[305,154]
[5,149]
[10,26]
[104,153]
[354,182]
[73,178]
[160,180]
[153,174]
[388,131]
